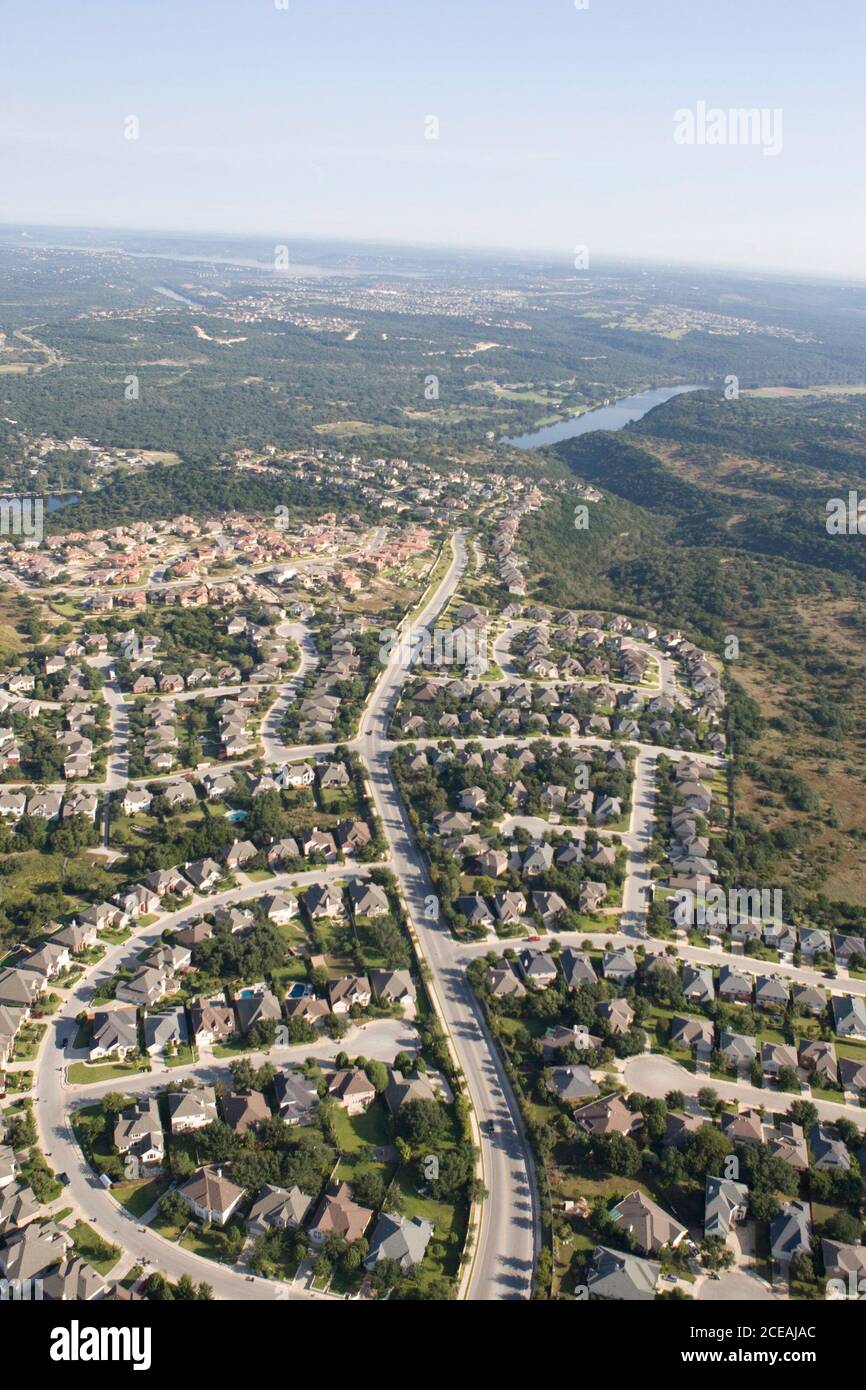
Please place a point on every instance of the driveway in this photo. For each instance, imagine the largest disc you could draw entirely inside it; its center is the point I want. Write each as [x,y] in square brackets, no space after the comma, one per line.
[736,1286]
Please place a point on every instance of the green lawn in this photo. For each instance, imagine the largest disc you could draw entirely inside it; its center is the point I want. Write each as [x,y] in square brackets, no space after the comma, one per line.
[182,1058]
[27,1042]
[212,1242]
[139,1197]
[86,1073]
[355,1133]
[115,938]
[443,1253]
[92,1248]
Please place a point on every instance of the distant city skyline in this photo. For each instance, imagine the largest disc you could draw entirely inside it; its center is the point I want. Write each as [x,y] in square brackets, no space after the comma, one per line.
[617,132]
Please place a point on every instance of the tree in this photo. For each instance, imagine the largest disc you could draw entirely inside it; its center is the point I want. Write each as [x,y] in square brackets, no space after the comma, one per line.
[423,1123]
[368,1188]
[706,1151]
[802,1268]
[844,1227]
[377,1073]
[173,1209]
[619,1154]
[113,1104]
[709,1099]
[763,1206]
[803,1113]
[385,1275]
[715,1253]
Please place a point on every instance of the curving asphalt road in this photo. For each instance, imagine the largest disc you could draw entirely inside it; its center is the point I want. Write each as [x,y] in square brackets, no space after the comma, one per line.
[508,1234]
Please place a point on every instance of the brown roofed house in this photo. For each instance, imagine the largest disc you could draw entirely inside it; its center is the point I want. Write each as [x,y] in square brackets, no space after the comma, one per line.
[339,1215]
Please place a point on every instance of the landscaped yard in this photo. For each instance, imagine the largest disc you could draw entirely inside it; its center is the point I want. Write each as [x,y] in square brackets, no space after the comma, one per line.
[355,1134]
[139,1197]
[443,1252]
[86,1073]
[213,1242]
[93,1249]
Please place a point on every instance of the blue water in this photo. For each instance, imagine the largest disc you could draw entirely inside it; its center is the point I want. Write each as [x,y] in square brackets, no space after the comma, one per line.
[58,500]
[236,816]
[607,417]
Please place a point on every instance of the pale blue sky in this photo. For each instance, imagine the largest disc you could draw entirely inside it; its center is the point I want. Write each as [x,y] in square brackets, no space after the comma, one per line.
[556,124]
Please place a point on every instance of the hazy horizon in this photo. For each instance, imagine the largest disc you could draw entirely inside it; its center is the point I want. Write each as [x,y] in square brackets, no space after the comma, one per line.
[495,128]
[602,264]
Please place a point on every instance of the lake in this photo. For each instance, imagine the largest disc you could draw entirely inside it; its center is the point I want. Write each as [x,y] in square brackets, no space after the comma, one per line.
[606,417]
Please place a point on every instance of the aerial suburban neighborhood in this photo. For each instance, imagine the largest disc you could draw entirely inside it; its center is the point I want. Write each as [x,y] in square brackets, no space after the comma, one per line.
[432,677]
[344,965]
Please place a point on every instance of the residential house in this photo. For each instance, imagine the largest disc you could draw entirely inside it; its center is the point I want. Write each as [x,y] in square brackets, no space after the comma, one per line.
[393,987]
[697,984]
[747,1127]
[114,1033]
[213,1021]
[572,1084]
[772,992]
[828,1151]
[778,1057]
[649,1225]
[615,1274]
[337,1214]
[192,1110]
[737,1050]
[577,968]
[30,1252]
[368,900]
[73,1280]
[245,1110]
[619,966]
[400,1238]
[618,1014]
[693,1035]
[537,967]
[138,1132]
[849,1015]
[352,1089]
[818,1060]
[256,1004]
[735,986]
[609,1115]
[321,900]
[352,991]
[164,1032]
[852,1075]
[726,1204]
[503,983]
[297,1097]
[279,1209]
[791,1233]
[402,1088]
[788,1142]
[212,1196]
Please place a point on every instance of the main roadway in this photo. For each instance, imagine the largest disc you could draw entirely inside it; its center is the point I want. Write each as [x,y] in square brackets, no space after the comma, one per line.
[508,1234]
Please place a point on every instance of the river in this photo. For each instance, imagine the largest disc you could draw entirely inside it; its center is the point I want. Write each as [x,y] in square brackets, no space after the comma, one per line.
[606,417]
